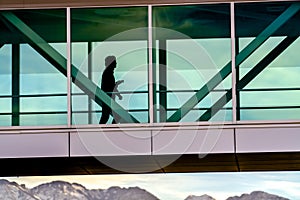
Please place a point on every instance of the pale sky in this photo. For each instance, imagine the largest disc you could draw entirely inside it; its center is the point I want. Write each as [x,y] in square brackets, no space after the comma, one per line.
[179,186]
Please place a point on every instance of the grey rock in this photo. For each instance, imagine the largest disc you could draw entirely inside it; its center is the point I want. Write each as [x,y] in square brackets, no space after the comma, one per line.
[60,190]
[257,195]
[202,197]
[12,191]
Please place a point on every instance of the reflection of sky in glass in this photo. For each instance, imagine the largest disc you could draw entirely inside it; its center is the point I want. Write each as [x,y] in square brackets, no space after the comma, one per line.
[131,59]
[5,105]
[132,68]
[33,62]
[43,84]
[43,119]
[43,104]
[190,65]
[270,114]
[5,120]
[38,76]
[271,98]
[5,70]
[283,72]
[5,59]
[79,54]
[285,66]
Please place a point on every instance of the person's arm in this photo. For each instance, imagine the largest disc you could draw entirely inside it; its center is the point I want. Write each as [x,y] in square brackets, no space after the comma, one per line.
[119,82]
[116,89]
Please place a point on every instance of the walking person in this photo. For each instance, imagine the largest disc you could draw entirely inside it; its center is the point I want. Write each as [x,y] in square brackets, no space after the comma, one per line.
[110,87]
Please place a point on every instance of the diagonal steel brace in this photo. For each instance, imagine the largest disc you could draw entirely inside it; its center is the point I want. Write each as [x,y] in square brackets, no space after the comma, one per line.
[248,77]
[57,60]
[226,70]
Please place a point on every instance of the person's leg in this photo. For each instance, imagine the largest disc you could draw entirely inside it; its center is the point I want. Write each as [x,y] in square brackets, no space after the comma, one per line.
[105,114]
[116,119]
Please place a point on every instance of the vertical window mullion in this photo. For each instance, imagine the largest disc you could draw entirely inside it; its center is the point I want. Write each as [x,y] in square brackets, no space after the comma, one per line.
[233,63]
[69,100]
[163,80]
[150,67]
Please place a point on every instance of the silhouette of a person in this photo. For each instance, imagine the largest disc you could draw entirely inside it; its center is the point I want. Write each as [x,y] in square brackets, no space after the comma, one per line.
[110,87]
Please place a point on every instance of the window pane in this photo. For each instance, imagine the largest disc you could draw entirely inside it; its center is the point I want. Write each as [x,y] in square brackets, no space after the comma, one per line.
[5,86]
[34,64]
[5,69]
[38,76]
[268,87]
[5,115]
[270,114]
[96,34]
[191,49]
[43,104]
[42,119]
[270,98]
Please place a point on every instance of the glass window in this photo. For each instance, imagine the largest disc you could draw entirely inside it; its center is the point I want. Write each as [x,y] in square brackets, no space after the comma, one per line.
[96,34]
[192,49]
[34,61]
[268,61]
[5,86]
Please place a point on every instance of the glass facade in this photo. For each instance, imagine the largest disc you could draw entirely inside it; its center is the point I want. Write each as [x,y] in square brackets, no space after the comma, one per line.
[175,67]
[268,83]
[192,48]
[34,89]
[101,32]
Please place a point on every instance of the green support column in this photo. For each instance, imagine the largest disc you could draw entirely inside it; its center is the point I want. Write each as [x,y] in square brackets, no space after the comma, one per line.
[90,60]
[154,85]
[15,84]
[237,67]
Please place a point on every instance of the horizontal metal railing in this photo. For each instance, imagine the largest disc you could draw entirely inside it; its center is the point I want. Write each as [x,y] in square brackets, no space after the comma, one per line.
[168,109]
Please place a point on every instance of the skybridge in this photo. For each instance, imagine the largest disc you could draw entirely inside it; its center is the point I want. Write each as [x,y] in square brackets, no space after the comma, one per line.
[208,87]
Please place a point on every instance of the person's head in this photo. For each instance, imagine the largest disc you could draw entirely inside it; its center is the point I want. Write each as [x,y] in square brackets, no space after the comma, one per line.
[110,61]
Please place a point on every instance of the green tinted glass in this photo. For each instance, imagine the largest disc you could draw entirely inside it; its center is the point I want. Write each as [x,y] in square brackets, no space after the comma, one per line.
[268,61]
[192,50]
[35,66]
[96,34]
